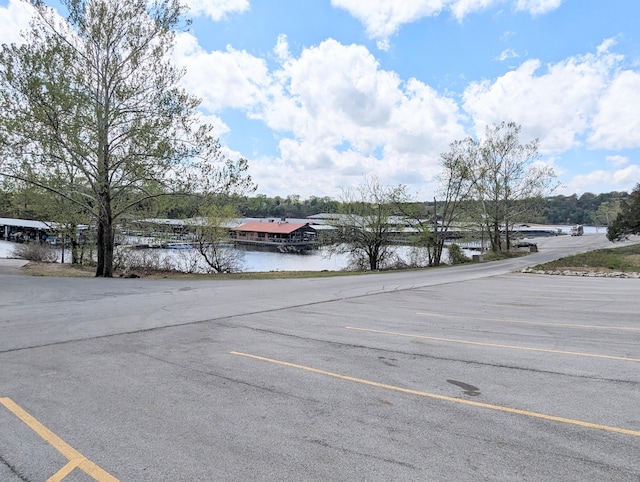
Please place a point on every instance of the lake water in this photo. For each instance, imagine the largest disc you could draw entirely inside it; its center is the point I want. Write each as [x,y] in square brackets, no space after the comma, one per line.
[189,260]
[6,248]
[252,261]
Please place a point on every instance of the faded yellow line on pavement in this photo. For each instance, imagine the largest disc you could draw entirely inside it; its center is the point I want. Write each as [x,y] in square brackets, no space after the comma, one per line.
[472,403]
[76,459]
[494,345]
[558,309]
[523,322]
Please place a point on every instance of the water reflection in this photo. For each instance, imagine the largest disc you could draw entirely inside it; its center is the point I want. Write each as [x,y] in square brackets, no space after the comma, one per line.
[262,261]
[318,260]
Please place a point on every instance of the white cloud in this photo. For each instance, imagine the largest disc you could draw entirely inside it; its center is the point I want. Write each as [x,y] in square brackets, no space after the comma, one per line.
[383,18]
[507,54]
[333,110]
[628,176]
[343,111]
[220,128]
[223,79]
[383,44]
[462,8]
[618,161]
[282,48]
[538,7]
[606,45]
[605,181]
[217,9]
[14,18]
[617,122]
[556,105]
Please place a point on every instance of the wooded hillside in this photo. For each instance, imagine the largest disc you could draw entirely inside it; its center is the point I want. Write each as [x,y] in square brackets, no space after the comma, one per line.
[588,208]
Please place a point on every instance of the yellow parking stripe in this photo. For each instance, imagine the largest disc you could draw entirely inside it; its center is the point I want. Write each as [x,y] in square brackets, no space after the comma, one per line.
[500,408]
[494,345]
[76,459]
[64,471]
[499,320]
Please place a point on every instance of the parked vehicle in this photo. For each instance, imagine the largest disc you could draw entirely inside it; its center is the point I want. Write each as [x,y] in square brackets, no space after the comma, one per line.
[577,230]
[525,244]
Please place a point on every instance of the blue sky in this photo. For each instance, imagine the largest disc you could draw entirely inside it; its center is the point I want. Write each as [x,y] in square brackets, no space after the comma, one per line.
[317,94]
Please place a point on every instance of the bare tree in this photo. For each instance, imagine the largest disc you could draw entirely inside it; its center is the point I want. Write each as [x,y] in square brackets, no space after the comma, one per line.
[212,240]
[93,99]
[362,226]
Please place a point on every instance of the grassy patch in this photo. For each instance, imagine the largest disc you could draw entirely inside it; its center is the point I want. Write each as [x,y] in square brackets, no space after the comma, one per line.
[625,259]
[500,255]
[65,270]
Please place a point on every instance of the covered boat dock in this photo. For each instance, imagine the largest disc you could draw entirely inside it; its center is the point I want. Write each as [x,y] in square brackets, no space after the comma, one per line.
[23,230]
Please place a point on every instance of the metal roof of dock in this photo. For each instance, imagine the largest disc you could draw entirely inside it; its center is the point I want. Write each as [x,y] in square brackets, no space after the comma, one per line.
[271,227]
[24,223]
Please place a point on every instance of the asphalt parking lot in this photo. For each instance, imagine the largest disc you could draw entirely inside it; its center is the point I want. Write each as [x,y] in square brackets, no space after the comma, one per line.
[477,373]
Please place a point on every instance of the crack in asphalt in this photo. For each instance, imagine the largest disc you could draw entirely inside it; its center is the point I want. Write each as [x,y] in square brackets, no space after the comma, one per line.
[13,469]
[324,444]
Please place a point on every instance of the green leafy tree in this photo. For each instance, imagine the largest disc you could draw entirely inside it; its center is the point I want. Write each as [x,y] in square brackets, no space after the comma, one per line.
[456,184]
[93,99]
[508,184]
[607,212]
[25,201]
[66,219]
[5,203]
[627,222]
[456,255]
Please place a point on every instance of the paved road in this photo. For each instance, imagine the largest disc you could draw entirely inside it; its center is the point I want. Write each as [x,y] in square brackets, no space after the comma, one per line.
[465,373]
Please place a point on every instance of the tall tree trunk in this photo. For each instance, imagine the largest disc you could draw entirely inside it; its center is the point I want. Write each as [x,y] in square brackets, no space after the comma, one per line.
[75,251]
[374,253]
[100,247]
[107,271]
[106,238]
[496,245]
[106,241]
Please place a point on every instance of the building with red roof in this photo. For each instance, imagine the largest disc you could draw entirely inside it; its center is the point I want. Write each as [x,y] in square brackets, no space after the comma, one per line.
[277,235]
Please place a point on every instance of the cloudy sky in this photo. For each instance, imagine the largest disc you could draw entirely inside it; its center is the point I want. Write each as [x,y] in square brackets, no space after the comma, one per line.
[317,94]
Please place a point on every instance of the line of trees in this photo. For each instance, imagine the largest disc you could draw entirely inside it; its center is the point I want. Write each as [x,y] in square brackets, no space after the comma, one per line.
[589,209]
[488,185]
